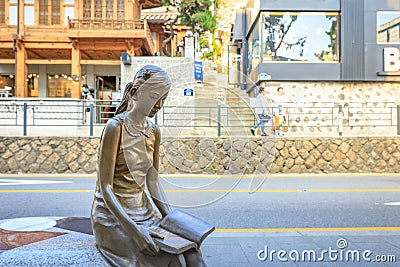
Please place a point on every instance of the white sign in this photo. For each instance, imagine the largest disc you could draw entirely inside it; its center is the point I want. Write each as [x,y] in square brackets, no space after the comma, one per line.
[391,59]
[221,96]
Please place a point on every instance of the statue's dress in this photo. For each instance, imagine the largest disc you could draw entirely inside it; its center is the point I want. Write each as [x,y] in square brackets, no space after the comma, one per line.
[128,186]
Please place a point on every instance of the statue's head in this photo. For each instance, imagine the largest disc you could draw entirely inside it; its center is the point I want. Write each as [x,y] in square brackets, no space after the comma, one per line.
[148,90]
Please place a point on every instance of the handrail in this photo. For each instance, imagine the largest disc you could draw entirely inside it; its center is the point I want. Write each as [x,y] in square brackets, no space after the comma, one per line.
[308,117]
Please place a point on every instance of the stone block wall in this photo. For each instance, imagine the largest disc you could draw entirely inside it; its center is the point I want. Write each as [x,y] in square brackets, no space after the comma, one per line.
[369,108]
[196,155]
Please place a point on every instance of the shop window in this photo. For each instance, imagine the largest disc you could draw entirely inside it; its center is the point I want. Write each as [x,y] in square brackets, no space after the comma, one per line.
[254,48]
[300,36]
[388,27]
[59,85]
[7,82]
[33,86]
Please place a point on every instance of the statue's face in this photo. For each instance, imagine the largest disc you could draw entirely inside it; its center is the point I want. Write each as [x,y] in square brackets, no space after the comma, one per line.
[158,105]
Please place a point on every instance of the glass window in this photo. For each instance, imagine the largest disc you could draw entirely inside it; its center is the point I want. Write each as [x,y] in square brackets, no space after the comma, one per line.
[110,9]
[43,12]
[86,9]
[55,16]
[29,16]
[7,83]
[69,2]
[388,27]
[300,36]
[98,9]
[69,13]
[120,9]
[13,15]
[254,47]
[29,1]
[59,85]
[2,11]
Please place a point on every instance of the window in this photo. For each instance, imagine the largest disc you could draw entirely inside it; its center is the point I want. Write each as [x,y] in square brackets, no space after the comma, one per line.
[68,14]
[98,9]
[59,85]
[2,11]
[254,47]
[13,15]
[29,16]
[86,9]
[120,9]
[55,16]
[388,27]
[300,36]
[43,12]
[110,9]
[7,83]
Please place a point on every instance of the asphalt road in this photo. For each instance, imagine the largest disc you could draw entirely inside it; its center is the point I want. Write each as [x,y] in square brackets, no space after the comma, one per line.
[297,201]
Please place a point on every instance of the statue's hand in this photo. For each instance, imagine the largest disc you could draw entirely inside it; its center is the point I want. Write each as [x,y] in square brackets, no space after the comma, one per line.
[146,243]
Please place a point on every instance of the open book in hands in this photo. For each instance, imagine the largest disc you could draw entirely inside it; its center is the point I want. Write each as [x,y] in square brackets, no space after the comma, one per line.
[179,232]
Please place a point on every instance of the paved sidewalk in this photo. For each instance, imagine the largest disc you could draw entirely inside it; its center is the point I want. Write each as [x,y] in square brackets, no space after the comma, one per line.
[283,248]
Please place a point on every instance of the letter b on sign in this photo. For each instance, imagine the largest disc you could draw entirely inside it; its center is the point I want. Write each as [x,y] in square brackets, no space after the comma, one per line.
[391,57]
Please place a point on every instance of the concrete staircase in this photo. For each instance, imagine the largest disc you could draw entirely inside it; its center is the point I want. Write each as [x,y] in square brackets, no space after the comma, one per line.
[236,117]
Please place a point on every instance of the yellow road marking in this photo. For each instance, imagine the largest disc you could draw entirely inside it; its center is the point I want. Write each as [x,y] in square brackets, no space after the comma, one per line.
[44,191]
[304,229]
[333,190]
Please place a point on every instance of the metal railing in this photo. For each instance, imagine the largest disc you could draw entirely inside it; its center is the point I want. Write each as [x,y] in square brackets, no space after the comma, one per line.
[305,117]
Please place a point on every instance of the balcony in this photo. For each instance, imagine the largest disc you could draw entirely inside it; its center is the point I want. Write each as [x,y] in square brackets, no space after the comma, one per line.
[92,28]
[114,29]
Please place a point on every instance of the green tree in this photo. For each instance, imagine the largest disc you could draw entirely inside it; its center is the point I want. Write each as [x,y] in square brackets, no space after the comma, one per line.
[195,14]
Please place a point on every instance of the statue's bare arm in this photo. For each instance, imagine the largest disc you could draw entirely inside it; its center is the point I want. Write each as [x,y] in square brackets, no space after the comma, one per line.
[107,159]
[153,184]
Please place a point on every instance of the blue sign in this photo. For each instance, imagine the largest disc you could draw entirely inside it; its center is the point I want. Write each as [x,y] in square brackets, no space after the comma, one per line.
[188,92]
[198,70]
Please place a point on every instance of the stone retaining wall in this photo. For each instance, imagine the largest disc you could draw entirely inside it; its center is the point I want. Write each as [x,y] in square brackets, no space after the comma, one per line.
[212,155]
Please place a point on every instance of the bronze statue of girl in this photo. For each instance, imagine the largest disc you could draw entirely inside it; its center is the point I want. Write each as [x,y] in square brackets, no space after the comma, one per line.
[128,162]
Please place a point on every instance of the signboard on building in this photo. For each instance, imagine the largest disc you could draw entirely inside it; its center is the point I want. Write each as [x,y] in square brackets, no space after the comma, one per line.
[391,59]
[198,70]
[391,62]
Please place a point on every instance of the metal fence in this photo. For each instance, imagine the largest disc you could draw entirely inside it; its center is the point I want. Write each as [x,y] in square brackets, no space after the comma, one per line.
[302,119]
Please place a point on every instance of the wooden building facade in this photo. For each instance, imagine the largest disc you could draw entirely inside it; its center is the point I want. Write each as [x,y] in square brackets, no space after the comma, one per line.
[50,48]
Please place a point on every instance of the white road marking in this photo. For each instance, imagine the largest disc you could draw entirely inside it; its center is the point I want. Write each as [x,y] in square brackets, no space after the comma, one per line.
[392,204]
[30,182]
